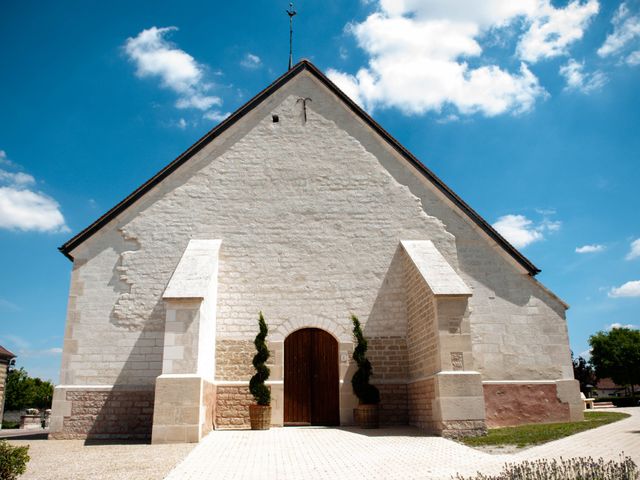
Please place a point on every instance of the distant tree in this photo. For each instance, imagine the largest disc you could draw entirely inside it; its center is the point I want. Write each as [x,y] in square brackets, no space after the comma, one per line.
[583,372]
[616,354]
[23,391]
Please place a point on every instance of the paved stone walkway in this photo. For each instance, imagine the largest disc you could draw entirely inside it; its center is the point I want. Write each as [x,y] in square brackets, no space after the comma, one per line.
[393,453]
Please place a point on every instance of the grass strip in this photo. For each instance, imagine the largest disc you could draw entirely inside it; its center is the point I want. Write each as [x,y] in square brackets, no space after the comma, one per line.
[535,434]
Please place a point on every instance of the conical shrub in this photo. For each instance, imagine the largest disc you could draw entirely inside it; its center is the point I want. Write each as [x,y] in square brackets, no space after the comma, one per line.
[258,389]
[366,393]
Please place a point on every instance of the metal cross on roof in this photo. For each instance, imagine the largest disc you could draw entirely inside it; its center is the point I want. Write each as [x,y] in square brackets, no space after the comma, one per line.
[291,12]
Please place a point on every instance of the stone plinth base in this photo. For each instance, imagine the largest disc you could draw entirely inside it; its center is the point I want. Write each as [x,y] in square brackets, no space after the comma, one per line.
[81,412]
[517,403]
[184,408]
[450,404]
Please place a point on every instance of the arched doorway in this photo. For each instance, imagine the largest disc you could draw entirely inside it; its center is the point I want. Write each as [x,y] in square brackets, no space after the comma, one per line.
[311,378]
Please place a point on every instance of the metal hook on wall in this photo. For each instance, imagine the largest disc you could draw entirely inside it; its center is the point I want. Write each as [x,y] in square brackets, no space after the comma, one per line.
[304,101]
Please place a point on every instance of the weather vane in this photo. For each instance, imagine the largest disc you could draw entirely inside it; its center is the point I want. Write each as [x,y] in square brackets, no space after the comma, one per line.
[291,12]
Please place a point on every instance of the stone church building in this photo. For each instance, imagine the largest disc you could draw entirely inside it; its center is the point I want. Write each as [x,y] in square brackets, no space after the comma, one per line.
[301,206]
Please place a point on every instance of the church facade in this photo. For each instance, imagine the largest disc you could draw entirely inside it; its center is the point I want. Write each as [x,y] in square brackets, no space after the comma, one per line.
[301,206]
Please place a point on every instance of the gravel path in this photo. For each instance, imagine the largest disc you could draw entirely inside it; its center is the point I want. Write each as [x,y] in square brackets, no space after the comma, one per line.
[73,460]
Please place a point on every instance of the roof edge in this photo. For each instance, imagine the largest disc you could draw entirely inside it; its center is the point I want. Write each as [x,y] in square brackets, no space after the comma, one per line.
[4,353]
[304,64]
[83,235]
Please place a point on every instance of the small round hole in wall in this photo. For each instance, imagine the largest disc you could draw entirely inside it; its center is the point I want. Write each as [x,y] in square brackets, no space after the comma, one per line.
[275,118]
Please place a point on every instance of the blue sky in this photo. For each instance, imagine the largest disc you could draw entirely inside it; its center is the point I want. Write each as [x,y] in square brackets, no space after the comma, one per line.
[529,110]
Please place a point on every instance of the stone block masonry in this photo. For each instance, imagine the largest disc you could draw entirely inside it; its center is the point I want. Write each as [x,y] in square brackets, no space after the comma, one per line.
[234,359]
[96,414]
[388,355]
[421,395]
[232,406]
[311,215]
[394,406]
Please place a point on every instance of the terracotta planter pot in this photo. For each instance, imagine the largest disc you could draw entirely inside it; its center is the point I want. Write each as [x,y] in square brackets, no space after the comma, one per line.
[260,417]
[367,416]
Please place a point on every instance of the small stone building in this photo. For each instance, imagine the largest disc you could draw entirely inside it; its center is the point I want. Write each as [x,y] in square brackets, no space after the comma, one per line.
[301,206]
[5,361]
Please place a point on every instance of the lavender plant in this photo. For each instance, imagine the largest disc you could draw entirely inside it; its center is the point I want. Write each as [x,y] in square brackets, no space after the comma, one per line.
[580,468]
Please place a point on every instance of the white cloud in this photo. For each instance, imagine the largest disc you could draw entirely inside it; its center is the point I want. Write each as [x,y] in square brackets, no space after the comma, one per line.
[634,250]
[521,231]
[586,354]
[625,35]
[590,248]
[251,61]
[425,56]
[577,79]
[4,160]
[620,325]
[518,230]
[17,178]
[629,289]
[216,116]
[22,208]
[552,29]
[414,66]
[633,58]
[155,56]
[182,124]
[35,353]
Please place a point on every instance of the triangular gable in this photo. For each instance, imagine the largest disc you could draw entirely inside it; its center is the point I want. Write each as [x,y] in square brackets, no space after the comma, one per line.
[253,103]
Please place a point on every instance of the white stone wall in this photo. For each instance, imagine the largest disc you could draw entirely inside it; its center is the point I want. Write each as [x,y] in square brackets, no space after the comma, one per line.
[310,216]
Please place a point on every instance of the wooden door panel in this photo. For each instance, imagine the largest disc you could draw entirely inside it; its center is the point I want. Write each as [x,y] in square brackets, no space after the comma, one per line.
[311,378]
[297,365]
[325,385]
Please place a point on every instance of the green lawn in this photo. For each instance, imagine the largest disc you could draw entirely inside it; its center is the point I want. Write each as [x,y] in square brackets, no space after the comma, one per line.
[526,435]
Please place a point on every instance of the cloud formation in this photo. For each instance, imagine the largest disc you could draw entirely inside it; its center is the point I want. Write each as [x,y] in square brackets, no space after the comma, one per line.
[427,56]
[22,207]
[552,30]
[521,231]
[577,79]
[634,251]
[620,325]
[251,61]
[624,41]
[155,56]
[590,248]
[629,289]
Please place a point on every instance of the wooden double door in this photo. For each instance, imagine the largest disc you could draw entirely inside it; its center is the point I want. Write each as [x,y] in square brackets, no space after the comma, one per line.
[311,378]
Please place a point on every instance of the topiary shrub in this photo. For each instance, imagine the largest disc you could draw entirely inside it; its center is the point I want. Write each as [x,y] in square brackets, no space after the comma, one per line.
[366,393]
[580,468]
[258,389]
[13,460]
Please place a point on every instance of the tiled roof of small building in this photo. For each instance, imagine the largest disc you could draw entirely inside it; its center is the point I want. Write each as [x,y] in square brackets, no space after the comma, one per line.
[4,353]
